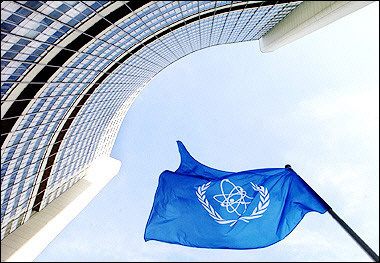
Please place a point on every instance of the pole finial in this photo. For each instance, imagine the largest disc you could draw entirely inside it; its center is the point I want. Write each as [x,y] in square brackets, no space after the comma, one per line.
[288,166]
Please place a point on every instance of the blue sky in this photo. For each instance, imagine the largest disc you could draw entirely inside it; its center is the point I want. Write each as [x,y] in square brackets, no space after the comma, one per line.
[313,103]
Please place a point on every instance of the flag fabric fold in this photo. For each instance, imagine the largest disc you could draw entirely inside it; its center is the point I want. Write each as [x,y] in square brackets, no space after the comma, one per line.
[200,206]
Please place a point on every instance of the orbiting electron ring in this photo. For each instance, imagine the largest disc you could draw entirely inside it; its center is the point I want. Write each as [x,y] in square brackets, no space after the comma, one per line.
[233,199]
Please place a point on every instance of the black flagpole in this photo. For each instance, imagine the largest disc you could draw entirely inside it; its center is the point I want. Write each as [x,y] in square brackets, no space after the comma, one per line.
[358,240]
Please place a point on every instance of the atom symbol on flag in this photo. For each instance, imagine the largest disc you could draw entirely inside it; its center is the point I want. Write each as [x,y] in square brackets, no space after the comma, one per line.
[234,198]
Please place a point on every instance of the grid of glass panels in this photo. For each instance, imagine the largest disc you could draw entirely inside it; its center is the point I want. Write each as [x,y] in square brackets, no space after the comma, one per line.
[29,29]
[147,55]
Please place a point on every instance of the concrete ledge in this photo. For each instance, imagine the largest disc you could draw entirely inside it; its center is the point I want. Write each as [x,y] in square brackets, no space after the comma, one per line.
[306,18]
[29,240]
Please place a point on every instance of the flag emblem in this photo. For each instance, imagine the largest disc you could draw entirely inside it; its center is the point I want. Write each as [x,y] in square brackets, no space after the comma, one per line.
[235,200]
[232,200]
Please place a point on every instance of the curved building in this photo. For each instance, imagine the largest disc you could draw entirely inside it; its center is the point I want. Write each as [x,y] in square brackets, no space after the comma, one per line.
[70,70]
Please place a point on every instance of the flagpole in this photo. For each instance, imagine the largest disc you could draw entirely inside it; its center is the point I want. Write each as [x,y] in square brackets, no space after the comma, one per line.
[358,240]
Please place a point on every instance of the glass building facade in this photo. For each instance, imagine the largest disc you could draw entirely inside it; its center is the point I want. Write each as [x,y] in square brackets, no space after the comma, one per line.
[71,69]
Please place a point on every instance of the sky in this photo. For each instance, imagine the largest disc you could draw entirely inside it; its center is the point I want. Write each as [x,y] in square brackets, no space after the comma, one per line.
[313,103]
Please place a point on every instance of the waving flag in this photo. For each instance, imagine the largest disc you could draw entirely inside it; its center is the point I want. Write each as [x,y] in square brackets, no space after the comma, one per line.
[199,206]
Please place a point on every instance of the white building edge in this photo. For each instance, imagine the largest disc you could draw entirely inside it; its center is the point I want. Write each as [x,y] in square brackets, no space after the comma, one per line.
[29,240]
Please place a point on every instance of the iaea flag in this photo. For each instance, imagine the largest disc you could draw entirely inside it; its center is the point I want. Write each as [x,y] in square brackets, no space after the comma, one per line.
[199,206]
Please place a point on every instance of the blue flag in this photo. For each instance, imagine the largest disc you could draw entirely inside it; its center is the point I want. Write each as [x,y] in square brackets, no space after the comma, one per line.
[199,206]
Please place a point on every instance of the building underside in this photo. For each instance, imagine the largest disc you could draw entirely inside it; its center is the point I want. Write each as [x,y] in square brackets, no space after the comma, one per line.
[70,70]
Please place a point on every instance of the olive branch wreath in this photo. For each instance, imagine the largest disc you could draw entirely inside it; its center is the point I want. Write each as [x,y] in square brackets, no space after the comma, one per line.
[257,212]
